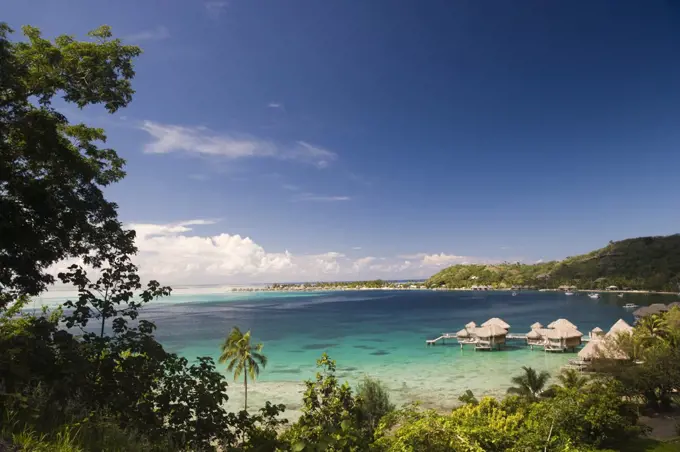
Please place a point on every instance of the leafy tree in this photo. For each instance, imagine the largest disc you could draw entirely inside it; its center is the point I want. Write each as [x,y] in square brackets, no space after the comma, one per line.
[572,379]
[243,357]
[468,398]
[373,401]
[111,295]
[331,416]
[51,171]
[530,384]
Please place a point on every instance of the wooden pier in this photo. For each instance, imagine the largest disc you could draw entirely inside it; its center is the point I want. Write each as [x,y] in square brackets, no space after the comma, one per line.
[442,338]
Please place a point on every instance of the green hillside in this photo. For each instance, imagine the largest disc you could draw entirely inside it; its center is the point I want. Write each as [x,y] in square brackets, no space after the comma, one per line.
[644,263]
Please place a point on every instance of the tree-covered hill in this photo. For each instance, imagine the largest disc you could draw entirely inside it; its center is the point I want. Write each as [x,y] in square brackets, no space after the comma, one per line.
[644,263]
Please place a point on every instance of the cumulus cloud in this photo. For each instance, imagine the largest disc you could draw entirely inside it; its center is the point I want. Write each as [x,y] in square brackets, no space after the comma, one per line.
[157,34]
[182,253]
[168,138]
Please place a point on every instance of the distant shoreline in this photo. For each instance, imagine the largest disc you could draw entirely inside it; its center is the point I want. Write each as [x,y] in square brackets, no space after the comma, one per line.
[436,289]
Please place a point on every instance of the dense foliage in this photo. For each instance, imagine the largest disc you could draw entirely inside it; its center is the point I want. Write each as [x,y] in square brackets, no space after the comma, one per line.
[645,263]
[90,376]
[52,171]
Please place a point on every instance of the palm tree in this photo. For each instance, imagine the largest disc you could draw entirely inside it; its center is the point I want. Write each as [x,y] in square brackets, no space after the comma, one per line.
[572,379]
[242,357]
[530,384]
[652,327]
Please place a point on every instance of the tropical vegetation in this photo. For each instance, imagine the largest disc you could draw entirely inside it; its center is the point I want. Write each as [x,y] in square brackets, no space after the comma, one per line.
[90,375]
[644,263]
[242,357]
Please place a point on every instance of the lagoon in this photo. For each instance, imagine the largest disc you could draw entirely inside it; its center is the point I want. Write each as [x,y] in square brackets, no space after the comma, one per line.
[377,333]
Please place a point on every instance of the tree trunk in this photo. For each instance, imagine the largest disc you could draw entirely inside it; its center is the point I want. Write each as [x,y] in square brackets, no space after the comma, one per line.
[103,321]
[245,380]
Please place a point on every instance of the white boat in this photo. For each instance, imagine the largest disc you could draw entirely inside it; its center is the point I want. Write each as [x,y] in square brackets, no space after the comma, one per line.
[620,295]
[514,294]
[594,296]
[569,293]
[630,306]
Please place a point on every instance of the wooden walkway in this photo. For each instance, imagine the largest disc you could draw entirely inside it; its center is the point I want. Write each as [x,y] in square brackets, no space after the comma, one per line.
[510,336]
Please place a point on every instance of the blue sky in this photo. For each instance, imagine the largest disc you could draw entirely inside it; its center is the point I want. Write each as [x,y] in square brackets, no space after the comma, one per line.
[423,133]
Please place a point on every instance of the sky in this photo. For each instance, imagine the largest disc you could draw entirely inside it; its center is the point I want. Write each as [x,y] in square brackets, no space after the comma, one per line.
[336,140]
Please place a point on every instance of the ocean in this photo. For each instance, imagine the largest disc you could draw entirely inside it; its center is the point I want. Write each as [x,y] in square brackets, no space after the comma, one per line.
[377,333]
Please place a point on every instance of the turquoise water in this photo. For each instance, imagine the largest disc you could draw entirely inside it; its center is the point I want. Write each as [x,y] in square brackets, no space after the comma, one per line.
[379,333]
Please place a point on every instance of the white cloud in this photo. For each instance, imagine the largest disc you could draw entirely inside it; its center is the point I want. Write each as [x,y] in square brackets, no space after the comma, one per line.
[443,259]
[157,34]
[356,247]
[311,197]
[319,156]
[362,263]
[540,261]
[276,106]
[169,138]
[178,254]
[215,8]
[290,187]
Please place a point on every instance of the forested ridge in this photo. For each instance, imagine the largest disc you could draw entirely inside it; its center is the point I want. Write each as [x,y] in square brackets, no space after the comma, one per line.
[643,263]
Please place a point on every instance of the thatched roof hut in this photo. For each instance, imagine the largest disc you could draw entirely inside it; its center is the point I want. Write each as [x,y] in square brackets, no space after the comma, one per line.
[597,333]
[562,324]
[675,304]
[601,349]
[490,336]
[536,325]
[534,334]
[562,338]
[471,325]
[589,352]
[620,327]
[464,333]
[563,333]
[497,322]
[655,308]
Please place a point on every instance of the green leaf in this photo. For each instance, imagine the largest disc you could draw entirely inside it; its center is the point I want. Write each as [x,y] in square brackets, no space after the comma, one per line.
[299,446]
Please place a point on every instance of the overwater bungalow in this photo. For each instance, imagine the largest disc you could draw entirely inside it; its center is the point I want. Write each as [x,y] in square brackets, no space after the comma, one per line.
[620,327]
[562,339]
[471,325]
[498,322]
[534,337]
[466,336]
[596,333]
[490,337]
[562,323]
[536,326]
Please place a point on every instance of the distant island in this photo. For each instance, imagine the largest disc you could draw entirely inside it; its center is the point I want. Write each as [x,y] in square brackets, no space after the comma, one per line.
[650,264]
[644,263]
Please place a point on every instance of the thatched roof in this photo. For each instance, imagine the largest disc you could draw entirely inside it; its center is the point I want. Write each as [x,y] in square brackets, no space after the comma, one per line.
[655,308]
[620,327]
[496,321]
[563,333]
[562,323]
[589,352]
[675,304]
[471,325]
[536,325]
[601,349]
[463,333]
[597,329]
[533,334]
[490,331]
